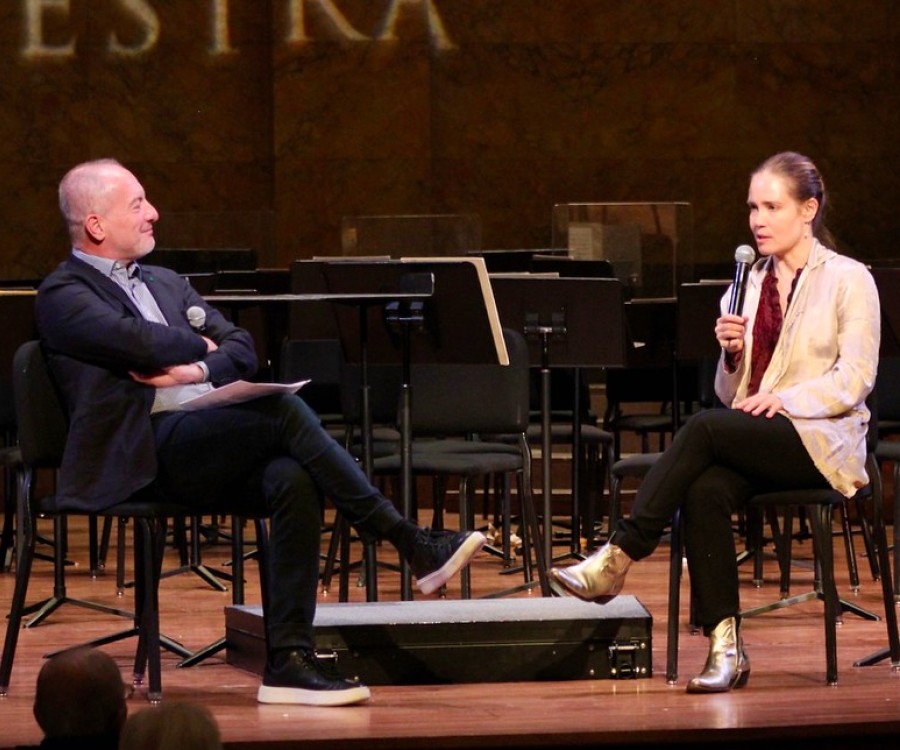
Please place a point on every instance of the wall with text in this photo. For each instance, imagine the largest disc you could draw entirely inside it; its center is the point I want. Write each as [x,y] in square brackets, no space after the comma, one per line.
[264,123]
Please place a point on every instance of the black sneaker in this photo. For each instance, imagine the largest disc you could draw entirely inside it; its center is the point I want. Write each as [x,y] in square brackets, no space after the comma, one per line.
[438,556]
[304,677]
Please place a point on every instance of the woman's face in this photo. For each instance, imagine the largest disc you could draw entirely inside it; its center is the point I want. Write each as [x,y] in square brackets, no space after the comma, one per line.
[777,220]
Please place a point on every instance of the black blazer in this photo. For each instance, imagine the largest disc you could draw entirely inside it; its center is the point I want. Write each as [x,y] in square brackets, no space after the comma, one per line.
[93,335]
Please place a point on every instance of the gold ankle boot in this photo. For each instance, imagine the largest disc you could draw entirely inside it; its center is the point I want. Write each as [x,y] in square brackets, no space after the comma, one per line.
[727,665]
[597,578]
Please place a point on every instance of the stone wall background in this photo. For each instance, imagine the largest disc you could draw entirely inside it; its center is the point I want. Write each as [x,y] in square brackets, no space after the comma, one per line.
[264,123]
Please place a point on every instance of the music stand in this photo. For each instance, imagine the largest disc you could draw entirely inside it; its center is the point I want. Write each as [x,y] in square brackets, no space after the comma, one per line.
[457,324]
[572,323]
[514,261]
[888,282]
[698,308]
[566,265]
[695,341]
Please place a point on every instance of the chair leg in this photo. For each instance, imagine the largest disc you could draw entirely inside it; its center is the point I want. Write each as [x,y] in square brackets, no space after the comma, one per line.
[602,483]
[783,540]
[850,547]
[149,550]
[262,546]
[103,546]
[533,529]
[896,524]
[27,538]
[818,591]
[466,522]
[615,504]
[754,541]
[675,556]
[868,540]
[344,572]
[148,554]
[439,496]
[822,537]
[331,556]
[237,592]
[237,596]
[7,537]
[121,544]
[888,593]
[531,542]
[505,519]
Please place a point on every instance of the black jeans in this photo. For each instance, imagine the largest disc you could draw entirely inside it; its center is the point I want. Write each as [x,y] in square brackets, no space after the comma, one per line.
[261,455]
[717,460]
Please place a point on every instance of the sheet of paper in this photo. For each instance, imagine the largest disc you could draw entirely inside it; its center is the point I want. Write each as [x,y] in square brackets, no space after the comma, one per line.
[238,391]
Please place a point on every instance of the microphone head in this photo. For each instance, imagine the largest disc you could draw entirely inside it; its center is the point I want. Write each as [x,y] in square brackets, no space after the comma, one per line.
[744,254]
[196,316]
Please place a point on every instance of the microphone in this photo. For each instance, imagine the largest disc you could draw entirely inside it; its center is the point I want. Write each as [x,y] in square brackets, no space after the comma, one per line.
[196,316]
[743,257]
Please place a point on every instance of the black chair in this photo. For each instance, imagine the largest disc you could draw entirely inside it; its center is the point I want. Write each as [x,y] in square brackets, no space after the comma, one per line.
[454,405]
[321,361]
[582,441]
[17,312]
[589,445]
[634,467]
[368,407]
[238,557]
[887,451]
[10,460]
[42,431]
[820,505]
[592,450]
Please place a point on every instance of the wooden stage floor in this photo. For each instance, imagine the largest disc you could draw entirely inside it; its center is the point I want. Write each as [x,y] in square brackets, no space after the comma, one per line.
[786,698]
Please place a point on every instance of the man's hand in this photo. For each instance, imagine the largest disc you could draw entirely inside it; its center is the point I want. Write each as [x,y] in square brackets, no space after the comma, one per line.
[211,345]
[169,376]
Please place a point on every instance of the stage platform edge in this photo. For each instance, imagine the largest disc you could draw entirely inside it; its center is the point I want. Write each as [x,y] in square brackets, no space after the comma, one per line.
[444,641]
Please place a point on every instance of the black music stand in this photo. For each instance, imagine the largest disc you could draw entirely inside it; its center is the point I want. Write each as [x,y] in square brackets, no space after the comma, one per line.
[888,282]
[457,324]
[514,261]
[695,341]
[234,304]
[571,323]
[565,265]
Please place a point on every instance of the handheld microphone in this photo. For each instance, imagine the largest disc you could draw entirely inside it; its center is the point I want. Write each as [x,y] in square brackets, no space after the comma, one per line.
[196,316]
[743,257]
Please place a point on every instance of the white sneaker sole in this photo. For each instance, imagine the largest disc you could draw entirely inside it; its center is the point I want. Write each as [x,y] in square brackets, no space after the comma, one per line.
[304,697]
[467,550]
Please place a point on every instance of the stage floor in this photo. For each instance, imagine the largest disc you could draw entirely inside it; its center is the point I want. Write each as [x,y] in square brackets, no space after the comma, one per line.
[786,698]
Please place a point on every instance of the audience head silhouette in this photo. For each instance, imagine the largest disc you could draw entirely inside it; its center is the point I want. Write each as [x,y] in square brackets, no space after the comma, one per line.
[80,695]
[171,726]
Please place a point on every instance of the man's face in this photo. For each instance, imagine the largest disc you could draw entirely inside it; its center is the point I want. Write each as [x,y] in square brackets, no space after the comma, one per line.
[126,219]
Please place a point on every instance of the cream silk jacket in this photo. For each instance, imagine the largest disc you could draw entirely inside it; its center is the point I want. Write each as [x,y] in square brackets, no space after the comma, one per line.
[824,364]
